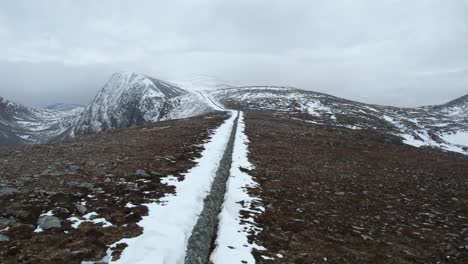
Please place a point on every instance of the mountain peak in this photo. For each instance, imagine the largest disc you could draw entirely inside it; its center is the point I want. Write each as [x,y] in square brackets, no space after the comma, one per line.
[127,99]
[139,83]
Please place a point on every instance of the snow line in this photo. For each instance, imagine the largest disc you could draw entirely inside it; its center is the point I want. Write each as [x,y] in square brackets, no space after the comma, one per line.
[204,232]
[170,221]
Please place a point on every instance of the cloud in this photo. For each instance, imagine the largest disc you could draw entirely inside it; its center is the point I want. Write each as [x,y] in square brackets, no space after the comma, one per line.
[388,51]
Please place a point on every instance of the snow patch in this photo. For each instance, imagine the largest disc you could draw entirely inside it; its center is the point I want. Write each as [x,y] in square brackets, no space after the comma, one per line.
[89,217]
[316,108]
[457,138]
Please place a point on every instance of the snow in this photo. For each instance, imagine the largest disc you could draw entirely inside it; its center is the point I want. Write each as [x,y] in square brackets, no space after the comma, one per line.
[87,218]
[25,137]
[187,105]
[127,95]
[169,180]
[130,205]
[35,126]
[412,141]
[421,138]
[151,93]
[440,125]
[394,122]
[453,142]
[210,101]
[48,213]
[232,244]
[170,221]
[315,107]
[352,127]
[372,109]
[310,122]
[424,139]
[38,230]
[457,138]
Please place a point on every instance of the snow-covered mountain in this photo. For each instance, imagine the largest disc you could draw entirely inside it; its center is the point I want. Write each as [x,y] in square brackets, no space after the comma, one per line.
[127,99]
[130,99]
[443,126]
[24,125]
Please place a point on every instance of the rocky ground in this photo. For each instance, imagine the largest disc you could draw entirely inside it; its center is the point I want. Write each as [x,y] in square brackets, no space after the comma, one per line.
[65,202]
[336,195]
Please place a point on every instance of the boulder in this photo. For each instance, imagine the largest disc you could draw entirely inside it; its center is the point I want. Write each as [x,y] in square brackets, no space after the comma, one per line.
[49,222]
[4,222]
[4,238]
[81,208]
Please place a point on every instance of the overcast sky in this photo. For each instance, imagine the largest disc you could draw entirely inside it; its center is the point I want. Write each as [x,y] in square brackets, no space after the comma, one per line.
[394,52]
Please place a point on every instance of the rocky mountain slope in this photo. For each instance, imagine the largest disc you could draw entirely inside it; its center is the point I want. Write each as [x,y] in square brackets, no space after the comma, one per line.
[24,125]
[127,99]
[443,126]
[130,99]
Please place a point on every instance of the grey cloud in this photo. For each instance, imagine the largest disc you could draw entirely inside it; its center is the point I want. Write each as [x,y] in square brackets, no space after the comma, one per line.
[389,52]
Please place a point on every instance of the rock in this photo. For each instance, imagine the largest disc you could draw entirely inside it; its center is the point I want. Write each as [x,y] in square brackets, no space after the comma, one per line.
[74,168]
[60,211]
[4,222]
[142,174]
[340,193]
[86,185]
[7,191]
[81,208]
[4,238]
[49,222]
